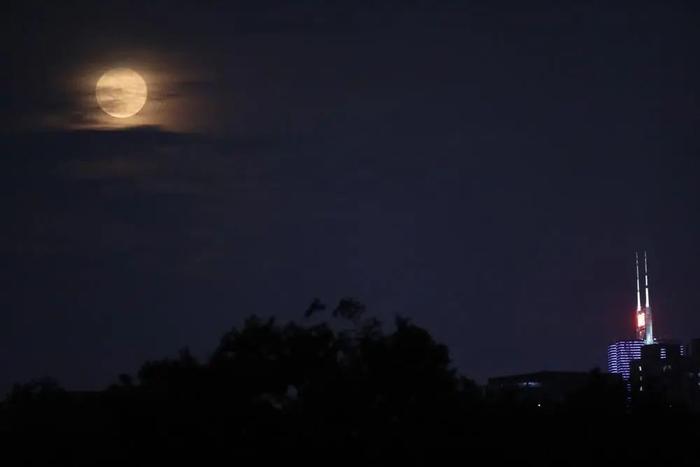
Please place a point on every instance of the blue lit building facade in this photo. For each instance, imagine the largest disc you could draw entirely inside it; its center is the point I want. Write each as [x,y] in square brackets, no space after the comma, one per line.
[621,354]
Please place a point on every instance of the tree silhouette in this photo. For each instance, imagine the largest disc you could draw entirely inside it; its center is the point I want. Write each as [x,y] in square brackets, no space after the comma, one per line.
[284,392]
[316,306]
[350,309]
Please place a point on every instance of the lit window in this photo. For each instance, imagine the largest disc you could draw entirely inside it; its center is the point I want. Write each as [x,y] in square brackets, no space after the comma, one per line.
[641,388]
[529,384]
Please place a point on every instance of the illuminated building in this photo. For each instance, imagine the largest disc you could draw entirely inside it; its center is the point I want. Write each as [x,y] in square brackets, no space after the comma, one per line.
[622,352]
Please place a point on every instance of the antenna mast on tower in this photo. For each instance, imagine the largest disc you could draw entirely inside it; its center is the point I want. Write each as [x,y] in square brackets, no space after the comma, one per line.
[649,332]
[641,314]
[639,299]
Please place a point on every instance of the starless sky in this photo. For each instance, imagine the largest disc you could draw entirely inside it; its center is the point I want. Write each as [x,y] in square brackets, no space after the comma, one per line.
[484,168]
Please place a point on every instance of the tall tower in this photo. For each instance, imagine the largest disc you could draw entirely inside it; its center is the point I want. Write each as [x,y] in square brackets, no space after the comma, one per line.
[622,354]
[648,326]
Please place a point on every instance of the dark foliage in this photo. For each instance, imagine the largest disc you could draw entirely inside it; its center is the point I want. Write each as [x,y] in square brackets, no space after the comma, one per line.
[285,392]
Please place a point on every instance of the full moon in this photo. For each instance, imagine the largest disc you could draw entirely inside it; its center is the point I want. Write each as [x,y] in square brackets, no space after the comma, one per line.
[121,92]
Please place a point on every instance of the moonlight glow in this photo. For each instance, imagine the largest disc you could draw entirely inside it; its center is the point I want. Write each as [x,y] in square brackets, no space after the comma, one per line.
[121,92]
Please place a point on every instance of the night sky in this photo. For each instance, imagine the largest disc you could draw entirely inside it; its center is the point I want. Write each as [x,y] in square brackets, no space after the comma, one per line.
[486,169]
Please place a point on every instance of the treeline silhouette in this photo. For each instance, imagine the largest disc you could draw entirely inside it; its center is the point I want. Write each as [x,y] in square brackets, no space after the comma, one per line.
[328,393]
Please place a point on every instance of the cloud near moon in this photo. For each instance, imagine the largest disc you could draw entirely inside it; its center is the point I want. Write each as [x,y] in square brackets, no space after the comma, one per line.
[128,89]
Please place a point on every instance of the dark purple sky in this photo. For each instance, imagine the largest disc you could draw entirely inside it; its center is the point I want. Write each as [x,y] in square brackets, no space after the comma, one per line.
[486,170]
